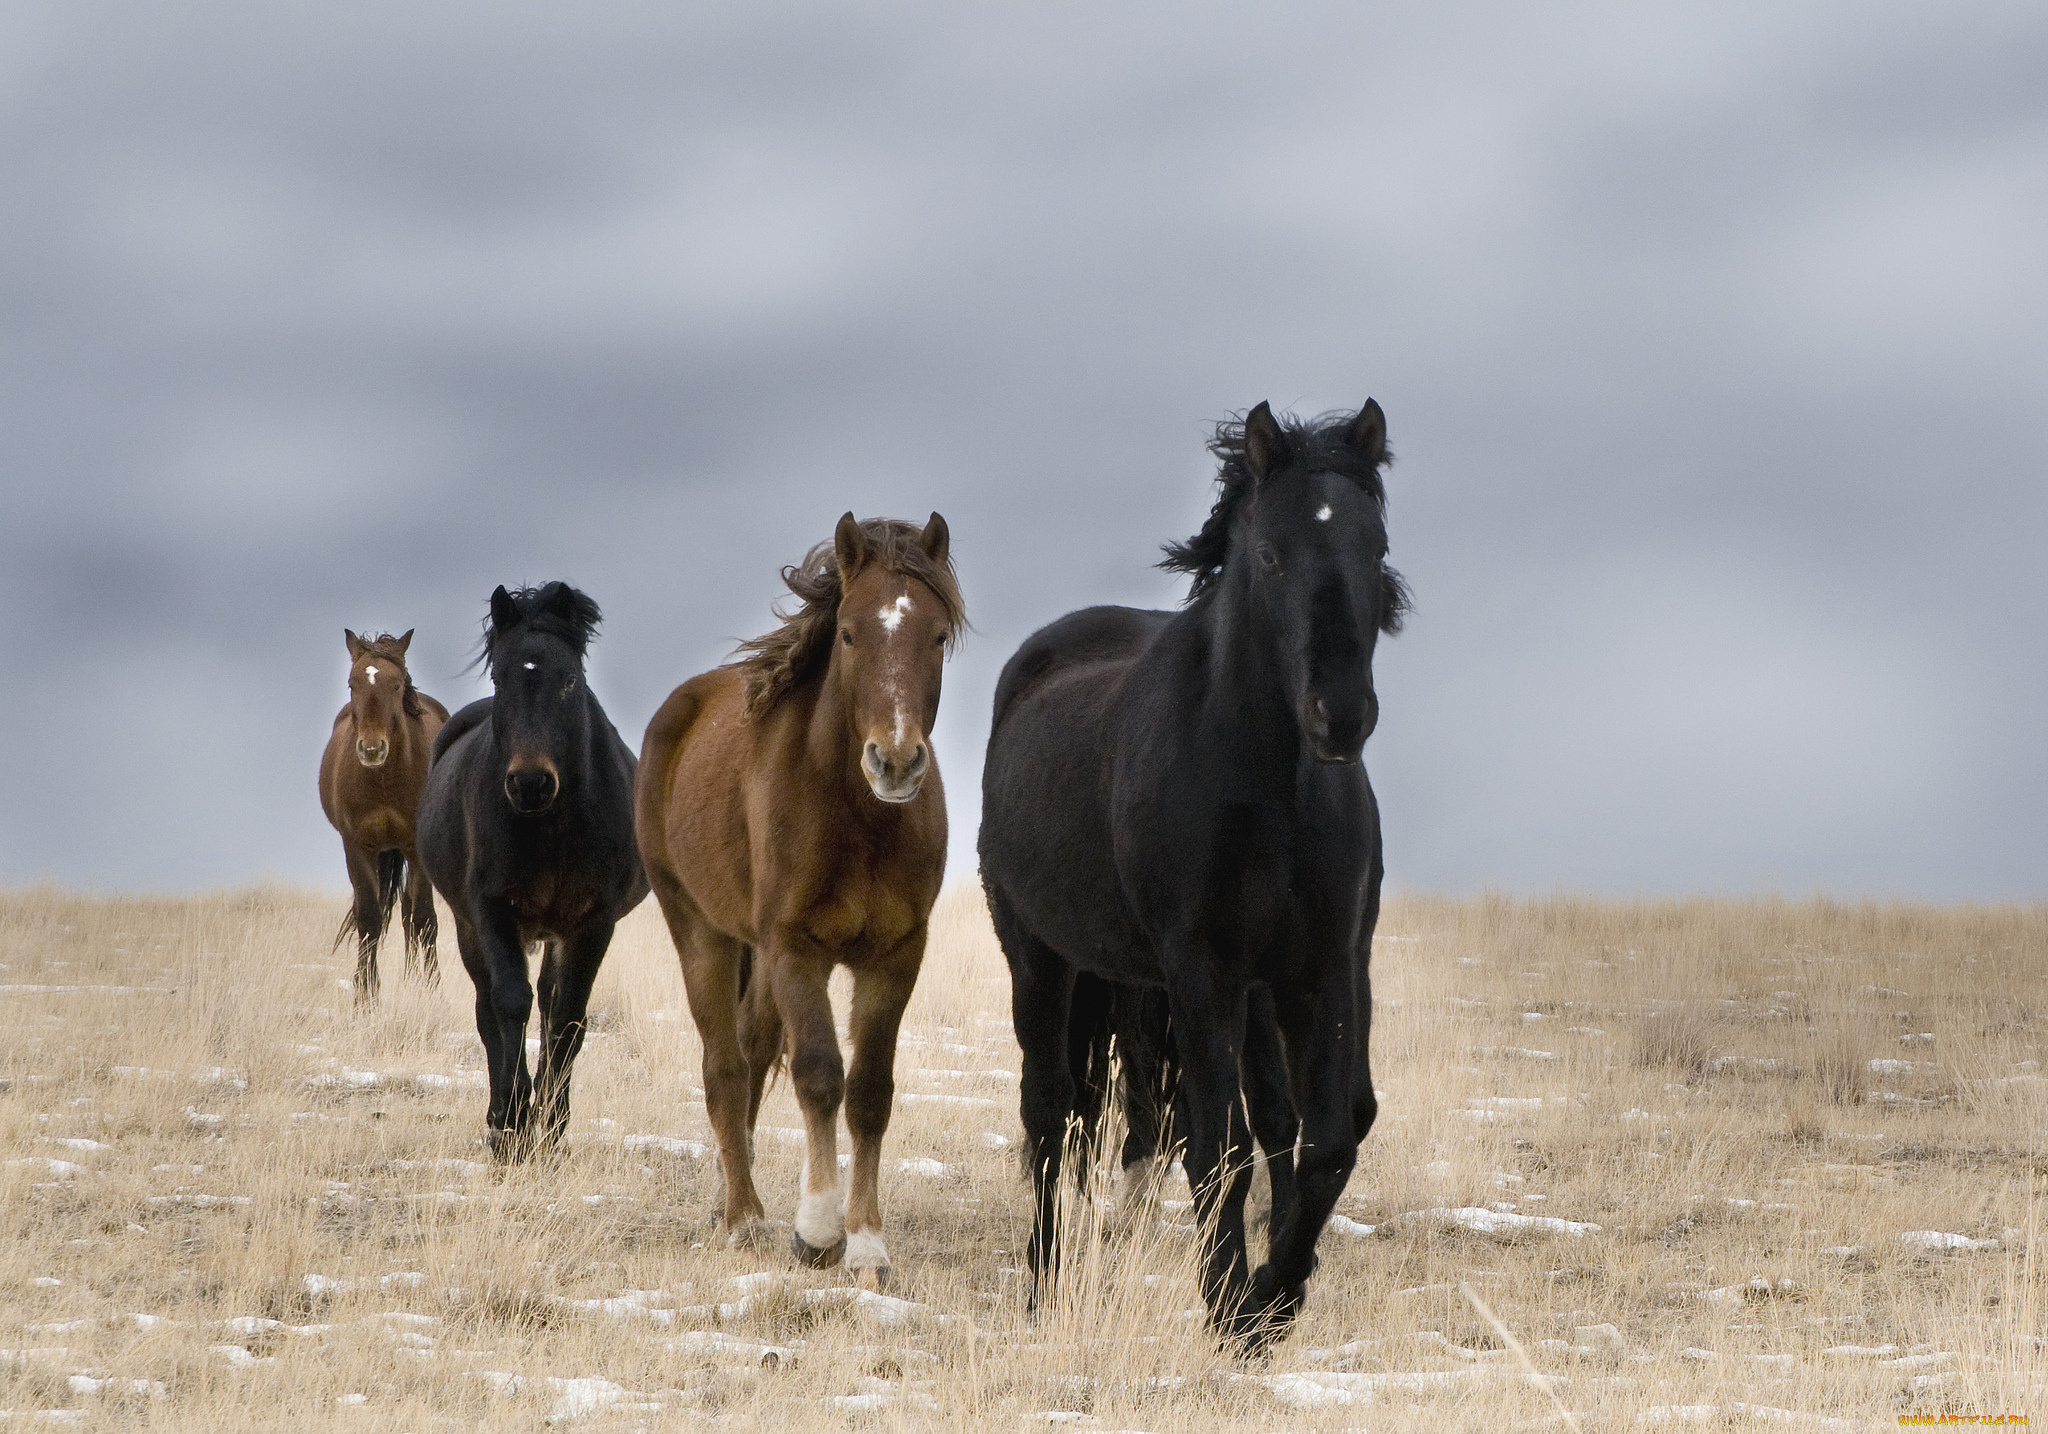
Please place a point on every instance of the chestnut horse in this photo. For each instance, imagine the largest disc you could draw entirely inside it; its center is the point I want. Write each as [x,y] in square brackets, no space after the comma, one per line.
[791,820]
[370,781]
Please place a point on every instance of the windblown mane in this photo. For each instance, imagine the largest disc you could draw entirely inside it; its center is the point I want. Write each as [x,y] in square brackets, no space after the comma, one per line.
[1313,445]
[384,647]
[800,648]
[555,609]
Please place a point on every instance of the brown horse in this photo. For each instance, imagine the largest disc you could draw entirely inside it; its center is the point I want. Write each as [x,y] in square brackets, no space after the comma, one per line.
[370,781]
[791,820]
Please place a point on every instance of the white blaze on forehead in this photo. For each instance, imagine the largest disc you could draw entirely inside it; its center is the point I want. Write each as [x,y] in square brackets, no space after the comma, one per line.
[1323,513]
[372,673]
[529,667]
[892,615]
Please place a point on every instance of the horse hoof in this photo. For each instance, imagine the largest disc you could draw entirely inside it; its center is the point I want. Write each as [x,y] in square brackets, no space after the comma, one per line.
[746,1235]
[1268,1312]
[811,1256]
[874,1279]
[508,1146]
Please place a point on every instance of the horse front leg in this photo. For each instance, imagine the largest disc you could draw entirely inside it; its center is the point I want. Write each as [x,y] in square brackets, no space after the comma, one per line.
[1326,1043]
[881,991]
[801,973]
[1271,1102]
[566,977]
[504,1001]
[1208,1009]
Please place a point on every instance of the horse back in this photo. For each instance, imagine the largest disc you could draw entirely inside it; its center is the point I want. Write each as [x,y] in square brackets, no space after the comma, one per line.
[688,803]
[1095,637]
[454,729]
[1046,828]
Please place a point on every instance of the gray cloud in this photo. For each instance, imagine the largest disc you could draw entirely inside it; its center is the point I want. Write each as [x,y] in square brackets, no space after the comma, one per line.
[1710,339]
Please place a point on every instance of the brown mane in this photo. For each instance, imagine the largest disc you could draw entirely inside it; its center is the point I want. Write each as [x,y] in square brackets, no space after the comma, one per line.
[384,646]
[799,649]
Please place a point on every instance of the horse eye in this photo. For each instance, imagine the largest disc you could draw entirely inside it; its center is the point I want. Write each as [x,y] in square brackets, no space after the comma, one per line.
[1268,559]
[846,637]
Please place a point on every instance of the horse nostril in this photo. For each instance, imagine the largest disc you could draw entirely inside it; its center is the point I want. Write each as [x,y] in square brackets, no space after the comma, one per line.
[917,760]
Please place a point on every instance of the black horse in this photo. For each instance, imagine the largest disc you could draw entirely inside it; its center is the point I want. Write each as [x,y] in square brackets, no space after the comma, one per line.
[526,829]
[1176,800]
[1135,1024]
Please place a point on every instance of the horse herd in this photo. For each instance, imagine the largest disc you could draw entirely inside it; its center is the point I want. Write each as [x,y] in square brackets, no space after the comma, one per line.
[1179,845]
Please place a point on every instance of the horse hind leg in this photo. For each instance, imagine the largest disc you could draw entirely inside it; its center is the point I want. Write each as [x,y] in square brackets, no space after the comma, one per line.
[1041,993]
[1146,1080]
[710,964]
[761,1037]
[422,926]
[881,991]
[366,918]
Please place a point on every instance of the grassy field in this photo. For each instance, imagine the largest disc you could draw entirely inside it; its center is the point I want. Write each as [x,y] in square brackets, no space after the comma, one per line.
[1710,1164]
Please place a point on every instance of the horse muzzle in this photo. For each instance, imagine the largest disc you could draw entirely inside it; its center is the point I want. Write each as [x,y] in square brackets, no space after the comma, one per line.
[373,754]
[892,777]
[1338,738]
[531,790]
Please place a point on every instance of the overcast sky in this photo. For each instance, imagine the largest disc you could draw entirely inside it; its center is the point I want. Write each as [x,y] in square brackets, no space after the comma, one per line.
[1712,339]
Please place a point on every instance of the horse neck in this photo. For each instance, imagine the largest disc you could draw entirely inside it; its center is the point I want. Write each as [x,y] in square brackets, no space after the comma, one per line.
[1245,697]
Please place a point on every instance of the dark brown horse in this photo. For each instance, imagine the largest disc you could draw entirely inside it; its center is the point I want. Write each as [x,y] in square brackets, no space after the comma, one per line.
[791,820]
[370,781]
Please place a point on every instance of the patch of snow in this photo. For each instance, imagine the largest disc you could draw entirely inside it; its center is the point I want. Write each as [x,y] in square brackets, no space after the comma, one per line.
[977,1102]
[1943,1240]
[1344,1225]
[238,1357]
[1497,1222]
[61,1169]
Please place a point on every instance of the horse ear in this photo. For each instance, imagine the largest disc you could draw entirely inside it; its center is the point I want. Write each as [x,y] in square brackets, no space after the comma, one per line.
[1367,434]
[559,599]
[356,647]
[1265,446]
[504,611]
[935,540]
[405,641]
[849,546]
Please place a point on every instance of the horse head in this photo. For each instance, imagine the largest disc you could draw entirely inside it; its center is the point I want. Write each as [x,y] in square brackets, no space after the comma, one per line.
[898,611]
[378,686]
[1310,541]
[534,644]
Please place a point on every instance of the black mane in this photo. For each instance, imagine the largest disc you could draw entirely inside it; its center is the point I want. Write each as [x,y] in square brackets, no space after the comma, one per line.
[555,609]
[1313,445]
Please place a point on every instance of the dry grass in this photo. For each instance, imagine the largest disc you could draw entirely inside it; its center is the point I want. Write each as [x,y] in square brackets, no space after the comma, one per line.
[247,1207]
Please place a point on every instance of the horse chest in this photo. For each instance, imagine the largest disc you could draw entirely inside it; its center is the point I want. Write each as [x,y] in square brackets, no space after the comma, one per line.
[858,914]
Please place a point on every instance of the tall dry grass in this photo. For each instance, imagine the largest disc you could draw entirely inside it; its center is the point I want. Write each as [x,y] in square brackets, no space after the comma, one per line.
[1808,1134]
